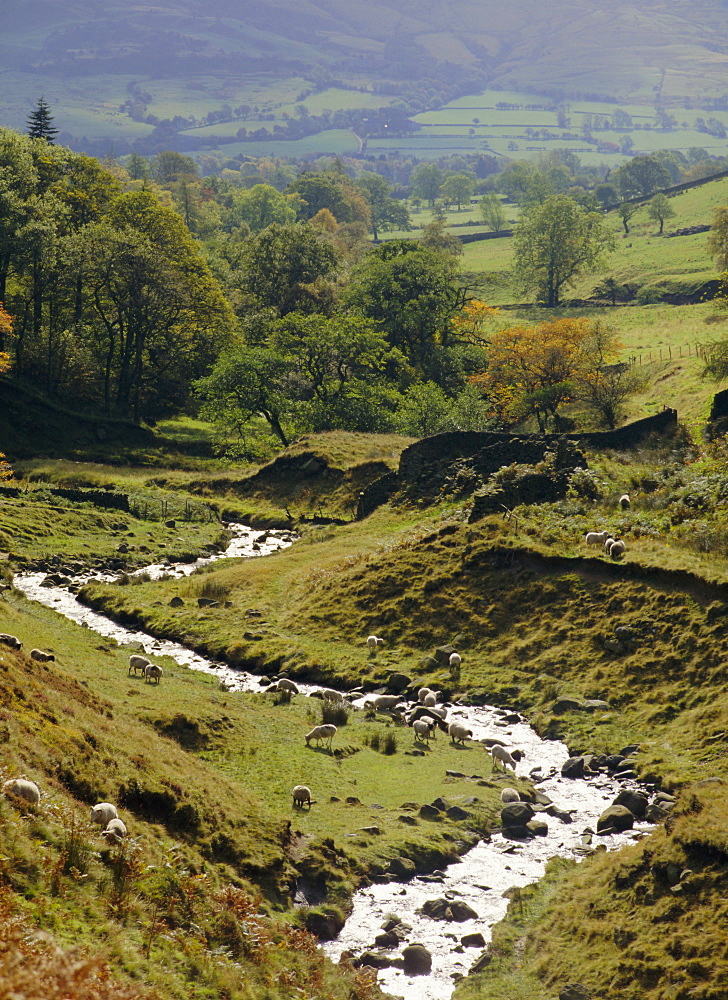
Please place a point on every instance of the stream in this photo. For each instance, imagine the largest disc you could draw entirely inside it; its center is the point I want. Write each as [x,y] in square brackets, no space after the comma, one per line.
[483,875]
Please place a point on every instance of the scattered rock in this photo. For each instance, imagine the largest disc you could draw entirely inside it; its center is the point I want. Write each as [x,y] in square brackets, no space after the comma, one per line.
[459,911]
[442,804]
[456,813]
[207,602]
[417,960]
[516,814]
[573,768]
[375,960]
[387,939]
[473,940]
[398,682]
[574,991]
[409,820]
[615,818]
[538,828]
[402,867]
[429,812]
[566,705]
[636,802]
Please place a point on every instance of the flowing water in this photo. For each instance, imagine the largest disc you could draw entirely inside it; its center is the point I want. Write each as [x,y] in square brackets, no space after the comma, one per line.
[482,876]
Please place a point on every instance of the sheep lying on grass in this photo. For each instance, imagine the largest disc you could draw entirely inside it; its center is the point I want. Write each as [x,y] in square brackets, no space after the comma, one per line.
[325,732]
[510,795]
[24,789]
[301,796]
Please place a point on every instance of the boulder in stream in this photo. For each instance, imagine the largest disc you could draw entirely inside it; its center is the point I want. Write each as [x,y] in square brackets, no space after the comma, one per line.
[417,960]
[573,768]
[516,814]
[615,819]
[636,802]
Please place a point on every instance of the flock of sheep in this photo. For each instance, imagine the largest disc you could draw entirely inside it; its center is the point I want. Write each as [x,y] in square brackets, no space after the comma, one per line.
[102,814]
[614,547]
[425,717]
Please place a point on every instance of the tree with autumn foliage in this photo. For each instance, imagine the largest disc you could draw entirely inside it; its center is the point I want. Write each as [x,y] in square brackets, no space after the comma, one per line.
[533,370]
[6,328]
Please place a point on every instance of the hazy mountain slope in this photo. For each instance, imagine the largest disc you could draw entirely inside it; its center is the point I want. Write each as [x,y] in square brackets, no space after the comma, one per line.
[575,45]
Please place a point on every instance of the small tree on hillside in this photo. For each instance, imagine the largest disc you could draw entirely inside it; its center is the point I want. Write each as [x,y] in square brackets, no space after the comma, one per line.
[40,122]
[625,212]
[491,209]
[660,209]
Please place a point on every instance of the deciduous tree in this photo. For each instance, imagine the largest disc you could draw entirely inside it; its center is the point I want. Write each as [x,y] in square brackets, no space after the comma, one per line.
[557,242]
[660,209]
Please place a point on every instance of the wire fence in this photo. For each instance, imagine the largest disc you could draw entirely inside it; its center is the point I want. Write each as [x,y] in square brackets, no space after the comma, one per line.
[668,352]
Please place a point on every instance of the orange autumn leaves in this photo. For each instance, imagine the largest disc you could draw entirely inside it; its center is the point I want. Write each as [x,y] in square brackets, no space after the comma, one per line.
[533,370]
[6,328]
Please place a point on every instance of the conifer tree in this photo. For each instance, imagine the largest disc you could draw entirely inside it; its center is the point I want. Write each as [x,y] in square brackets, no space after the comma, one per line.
[40,122]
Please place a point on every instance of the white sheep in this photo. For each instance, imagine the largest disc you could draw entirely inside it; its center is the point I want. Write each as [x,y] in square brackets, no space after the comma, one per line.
[325,732]
[500,753]
[373,643]
[617,548]
[430,700]
[597,537]
[510,795]
[103,812]
[328,694]
[153,672]
[10,640]
[458,732]
[41,656]
[115,830]
[422,694]
[608,544]
[284,684]
[455,661]
[138,663]
[384,702]
[624,501]
[424,729]
[301,795]
[24,789]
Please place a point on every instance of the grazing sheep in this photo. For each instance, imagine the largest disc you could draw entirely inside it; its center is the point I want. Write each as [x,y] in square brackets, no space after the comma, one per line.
[510,795]
[373,644]
[424,729]
[384,702]
[328,694]
[10,640]
[501,754]
[301,795]
[103,813]
[455,661]
[608,544]
[115,830]
[24,789]
[617,548]
[438,715]
[458,732]
[137,663]
[422,694]
[597,537]
[41,656]
[152,672]
[430,700]
[624,501]
[319,733]
[284,684]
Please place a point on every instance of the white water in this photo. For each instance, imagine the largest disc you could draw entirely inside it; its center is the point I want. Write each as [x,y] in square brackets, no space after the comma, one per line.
[482,875]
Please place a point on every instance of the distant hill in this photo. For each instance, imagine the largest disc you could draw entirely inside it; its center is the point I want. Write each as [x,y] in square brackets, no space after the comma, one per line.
[108,65]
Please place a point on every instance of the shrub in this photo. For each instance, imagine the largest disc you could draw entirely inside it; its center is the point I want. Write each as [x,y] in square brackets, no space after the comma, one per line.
[334,713]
